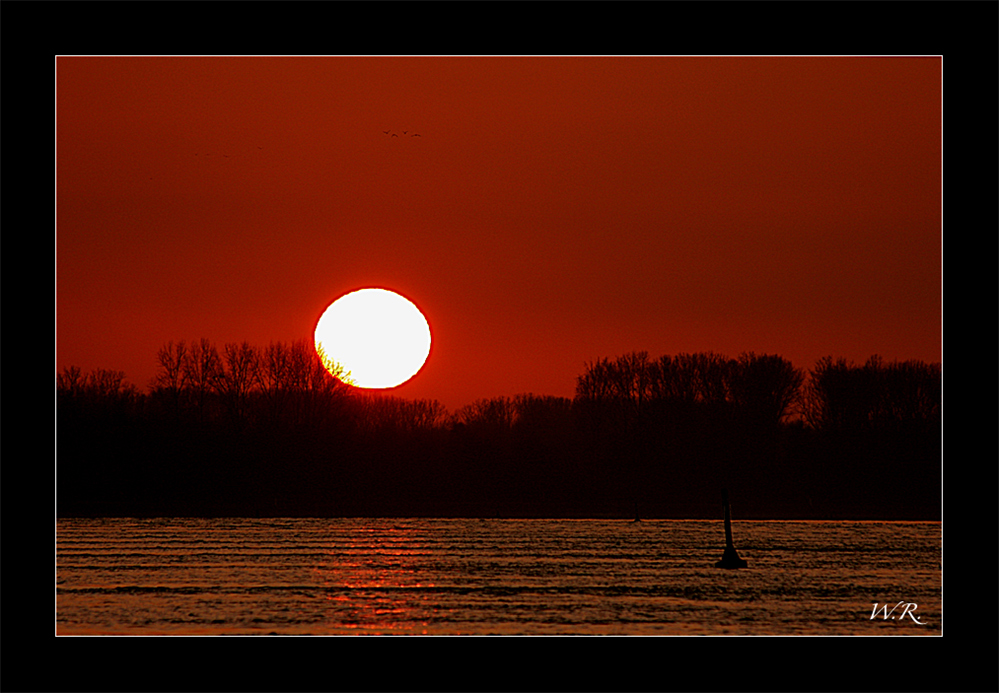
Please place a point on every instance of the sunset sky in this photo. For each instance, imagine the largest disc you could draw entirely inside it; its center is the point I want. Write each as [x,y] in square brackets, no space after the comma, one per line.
[552,211]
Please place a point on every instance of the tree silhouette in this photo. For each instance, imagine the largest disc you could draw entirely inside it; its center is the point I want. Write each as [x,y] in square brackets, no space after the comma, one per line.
[171,377]
[841,396]
[69,383]
[239,375]
[491,416]
[908,395]
[542,414]
[102,393]
[202,369]
[278,433]
[395,415]
[632,382]
[765,388]
[273,375]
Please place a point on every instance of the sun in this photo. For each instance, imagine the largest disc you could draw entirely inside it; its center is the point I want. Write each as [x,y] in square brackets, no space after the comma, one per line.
[373,338]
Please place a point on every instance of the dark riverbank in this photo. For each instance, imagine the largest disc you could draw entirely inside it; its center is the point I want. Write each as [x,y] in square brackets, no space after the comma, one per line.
[653,438]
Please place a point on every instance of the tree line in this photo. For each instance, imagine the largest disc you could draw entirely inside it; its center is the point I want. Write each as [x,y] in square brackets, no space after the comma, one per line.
[769,390]
[249,430]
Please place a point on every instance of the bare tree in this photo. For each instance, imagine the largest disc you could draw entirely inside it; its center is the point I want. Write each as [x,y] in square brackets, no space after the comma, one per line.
[171,373]
[611,391]
[907,394]
[238,377]
[70,381]
[388,413]
[541,412]
[102,391]
[322,381]
[104,383]
[594,384]
[635,380]
[274,366]
[764,387]
[839,395]
[711,373]
[202,369]
[170,377]
[493,414]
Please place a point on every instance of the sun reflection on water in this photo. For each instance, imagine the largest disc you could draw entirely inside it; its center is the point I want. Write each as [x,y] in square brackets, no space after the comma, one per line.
[501,577]
[373,583]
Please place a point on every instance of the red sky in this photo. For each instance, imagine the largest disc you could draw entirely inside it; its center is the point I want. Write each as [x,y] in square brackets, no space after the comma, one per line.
[553,210]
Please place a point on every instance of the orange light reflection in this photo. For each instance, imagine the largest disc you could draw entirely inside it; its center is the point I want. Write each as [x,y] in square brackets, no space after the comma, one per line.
[375,584]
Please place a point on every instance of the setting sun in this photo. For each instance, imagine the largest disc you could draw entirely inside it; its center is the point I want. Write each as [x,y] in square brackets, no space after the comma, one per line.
[675,319]
[373,338]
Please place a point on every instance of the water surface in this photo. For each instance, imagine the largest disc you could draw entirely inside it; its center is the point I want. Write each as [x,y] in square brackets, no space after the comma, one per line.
[494,577]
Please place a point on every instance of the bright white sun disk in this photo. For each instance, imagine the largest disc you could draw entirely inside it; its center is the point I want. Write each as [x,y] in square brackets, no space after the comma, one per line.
[378,337]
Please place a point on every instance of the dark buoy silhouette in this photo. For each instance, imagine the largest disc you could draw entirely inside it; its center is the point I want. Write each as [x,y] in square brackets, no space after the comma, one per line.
[730,559]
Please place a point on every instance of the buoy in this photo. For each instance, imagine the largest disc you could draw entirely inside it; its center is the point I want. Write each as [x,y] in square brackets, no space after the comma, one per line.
[730,559]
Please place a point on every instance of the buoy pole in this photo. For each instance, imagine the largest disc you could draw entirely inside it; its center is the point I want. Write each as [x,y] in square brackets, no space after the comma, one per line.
[728,521]
[730,559]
